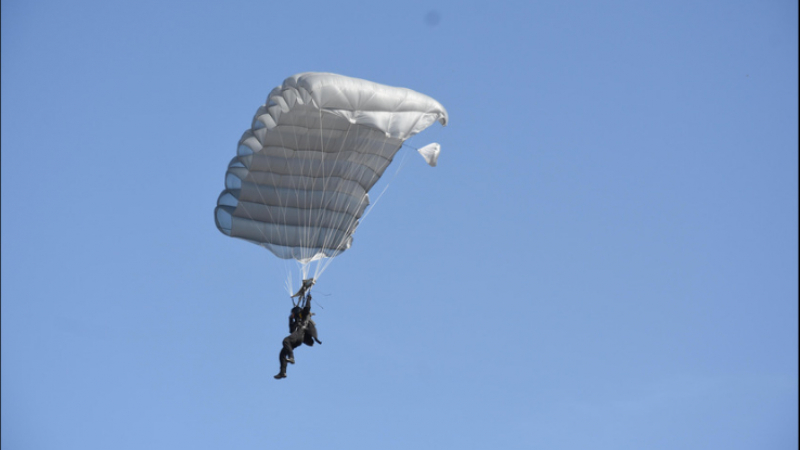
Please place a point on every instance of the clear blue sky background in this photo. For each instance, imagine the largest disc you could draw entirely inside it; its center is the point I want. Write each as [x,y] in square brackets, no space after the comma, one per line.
[606,256]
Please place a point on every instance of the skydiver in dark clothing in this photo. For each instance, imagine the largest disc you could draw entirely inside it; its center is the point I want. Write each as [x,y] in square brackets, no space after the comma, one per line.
[301,330]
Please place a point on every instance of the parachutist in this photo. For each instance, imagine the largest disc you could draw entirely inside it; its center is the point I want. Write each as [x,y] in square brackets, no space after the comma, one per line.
[300,190]
[302,330]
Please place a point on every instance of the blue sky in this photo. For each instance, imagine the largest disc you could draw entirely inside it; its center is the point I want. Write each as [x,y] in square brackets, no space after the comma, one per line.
[606,256]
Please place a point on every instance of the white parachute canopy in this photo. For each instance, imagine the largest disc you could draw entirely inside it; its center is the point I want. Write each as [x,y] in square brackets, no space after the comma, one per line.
[300,180]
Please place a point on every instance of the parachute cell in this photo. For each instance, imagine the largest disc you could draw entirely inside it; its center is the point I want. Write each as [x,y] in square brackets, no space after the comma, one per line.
[300,181]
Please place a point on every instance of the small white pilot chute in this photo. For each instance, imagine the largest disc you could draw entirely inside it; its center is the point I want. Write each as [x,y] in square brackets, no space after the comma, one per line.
[431,153]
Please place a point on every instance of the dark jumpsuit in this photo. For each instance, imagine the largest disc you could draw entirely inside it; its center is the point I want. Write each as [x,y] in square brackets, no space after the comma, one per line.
[301,329]
[297,331]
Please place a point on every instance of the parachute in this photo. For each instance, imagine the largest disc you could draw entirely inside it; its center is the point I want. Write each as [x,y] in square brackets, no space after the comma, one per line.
[300,179]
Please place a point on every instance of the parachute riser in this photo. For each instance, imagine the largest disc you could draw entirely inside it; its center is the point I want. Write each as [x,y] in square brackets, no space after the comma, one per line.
[305,288]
